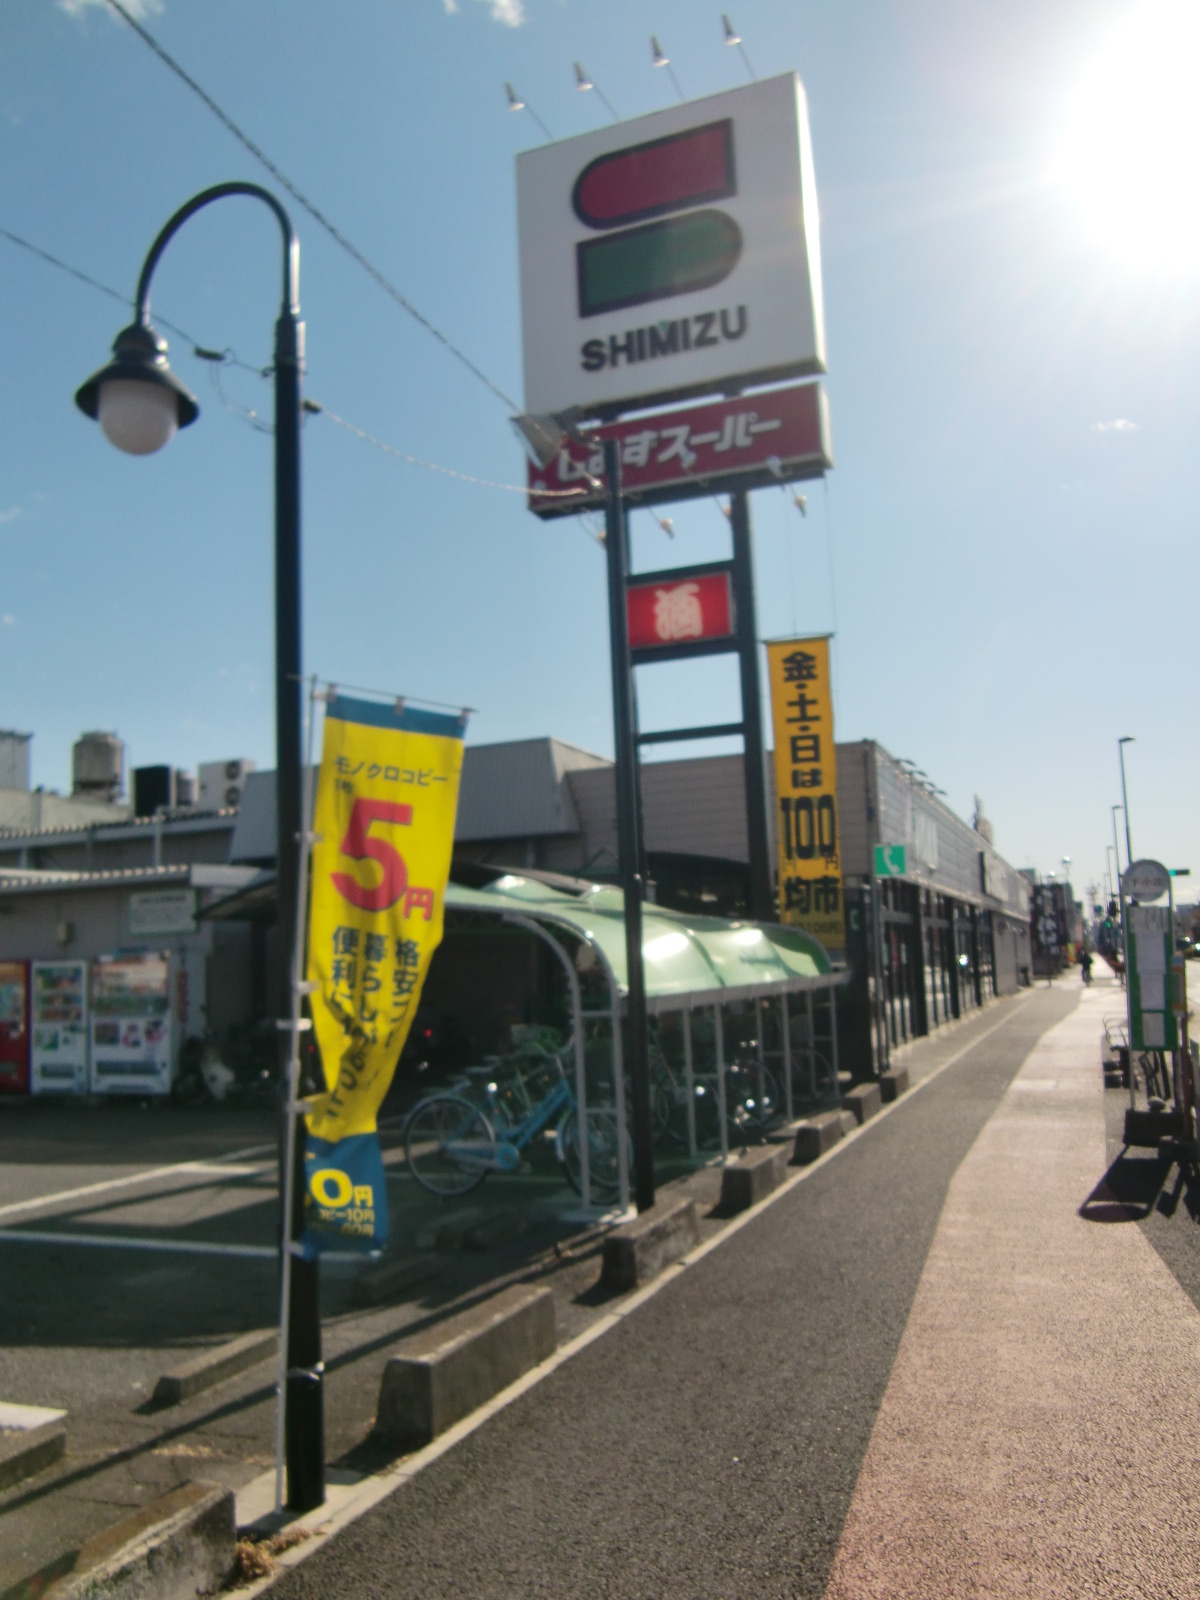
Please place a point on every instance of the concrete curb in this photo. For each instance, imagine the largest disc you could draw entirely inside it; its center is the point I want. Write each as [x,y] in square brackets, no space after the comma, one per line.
[23,1454]
[381,1283]
[893,1083]
[448,1371]
[863,1101]
[753,1176]
[178,1546]
[816,1136]
[638,1251]
[214,1366]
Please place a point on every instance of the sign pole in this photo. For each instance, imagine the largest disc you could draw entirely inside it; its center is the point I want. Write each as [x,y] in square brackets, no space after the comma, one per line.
[629,848]
[762,899]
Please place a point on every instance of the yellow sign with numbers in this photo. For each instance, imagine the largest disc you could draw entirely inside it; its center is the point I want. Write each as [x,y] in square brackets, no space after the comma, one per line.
[808,845]
[386,804]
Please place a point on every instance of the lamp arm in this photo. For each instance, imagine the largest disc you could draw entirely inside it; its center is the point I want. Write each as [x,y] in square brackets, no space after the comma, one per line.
[291,245]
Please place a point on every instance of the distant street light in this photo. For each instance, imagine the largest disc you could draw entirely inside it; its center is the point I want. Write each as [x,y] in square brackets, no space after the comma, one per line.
[1121,743]
[1116,846]
[140,403]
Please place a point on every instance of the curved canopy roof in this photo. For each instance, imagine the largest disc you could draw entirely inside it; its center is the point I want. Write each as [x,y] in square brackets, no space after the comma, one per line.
[688,959]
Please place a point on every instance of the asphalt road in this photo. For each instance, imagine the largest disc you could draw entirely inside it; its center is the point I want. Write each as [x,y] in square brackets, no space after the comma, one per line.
[710,1444]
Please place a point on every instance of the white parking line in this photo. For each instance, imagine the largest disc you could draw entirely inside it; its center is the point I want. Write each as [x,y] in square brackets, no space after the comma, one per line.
[217,1164]
[116,1241]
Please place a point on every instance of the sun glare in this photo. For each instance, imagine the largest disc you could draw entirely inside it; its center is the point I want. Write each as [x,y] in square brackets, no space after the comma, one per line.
[1130,154]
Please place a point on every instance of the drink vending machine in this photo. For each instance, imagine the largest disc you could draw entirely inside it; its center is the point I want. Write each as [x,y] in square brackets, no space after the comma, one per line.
[58,1026]
[14,1027]
[131,1024]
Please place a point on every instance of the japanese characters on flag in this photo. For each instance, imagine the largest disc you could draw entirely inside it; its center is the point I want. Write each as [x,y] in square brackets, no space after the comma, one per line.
[808,846]
[384,825]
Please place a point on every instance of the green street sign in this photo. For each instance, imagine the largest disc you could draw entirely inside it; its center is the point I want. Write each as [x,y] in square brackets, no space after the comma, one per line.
[890,861]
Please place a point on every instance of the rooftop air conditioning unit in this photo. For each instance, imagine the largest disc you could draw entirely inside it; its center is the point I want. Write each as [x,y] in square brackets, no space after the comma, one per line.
[222,783]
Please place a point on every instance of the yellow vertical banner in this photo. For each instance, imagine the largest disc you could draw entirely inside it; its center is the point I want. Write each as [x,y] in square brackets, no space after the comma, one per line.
[808,845]
[387,797]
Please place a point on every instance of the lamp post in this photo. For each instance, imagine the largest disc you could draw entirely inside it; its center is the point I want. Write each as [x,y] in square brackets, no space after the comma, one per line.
[140,403]
[1116,845]
[1121,743]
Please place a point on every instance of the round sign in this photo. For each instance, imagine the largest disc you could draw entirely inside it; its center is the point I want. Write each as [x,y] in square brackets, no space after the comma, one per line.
[1145,880]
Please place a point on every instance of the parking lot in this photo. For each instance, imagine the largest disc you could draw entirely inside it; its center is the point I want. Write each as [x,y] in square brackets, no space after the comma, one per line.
[133,1236]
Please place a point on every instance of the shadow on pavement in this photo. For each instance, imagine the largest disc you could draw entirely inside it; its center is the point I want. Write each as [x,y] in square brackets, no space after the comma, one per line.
[1129,1189]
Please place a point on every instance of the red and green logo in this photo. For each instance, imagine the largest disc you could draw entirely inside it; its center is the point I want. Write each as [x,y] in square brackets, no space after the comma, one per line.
[672,254]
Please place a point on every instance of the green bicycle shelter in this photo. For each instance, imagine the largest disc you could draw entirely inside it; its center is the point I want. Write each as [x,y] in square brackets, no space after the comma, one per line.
[692,964]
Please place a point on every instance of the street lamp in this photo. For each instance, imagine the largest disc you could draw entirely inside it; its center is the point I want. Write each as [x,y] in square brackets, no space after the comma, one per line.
[1116,845]
[140,404]
[1121,743]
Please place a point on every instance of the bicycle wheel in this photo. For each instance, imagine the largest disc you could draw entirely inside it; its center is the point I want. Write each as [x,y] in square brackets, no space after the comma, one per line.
[450,1145]
[752,1097]
[604,1170]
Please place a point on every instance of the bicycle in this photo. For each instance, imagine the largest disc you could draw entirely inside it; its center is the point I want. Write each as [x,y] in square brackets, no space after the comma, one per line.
[452,1144]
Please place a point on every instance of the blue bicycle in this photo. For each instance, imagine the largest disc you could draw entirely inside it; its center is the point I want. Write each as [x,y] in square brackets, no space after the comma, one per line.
[452,1143]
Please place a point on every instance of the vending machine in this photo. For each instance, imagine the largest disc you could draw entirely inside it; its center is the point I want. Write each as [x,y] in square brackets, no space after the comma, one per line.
[14,1027]
[58,1062]
[131,1024]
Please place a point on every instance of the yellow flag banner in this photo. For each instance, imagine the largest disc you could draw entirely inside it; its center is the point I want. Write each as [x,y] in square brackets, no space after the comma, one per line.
[384,825]
[808,845]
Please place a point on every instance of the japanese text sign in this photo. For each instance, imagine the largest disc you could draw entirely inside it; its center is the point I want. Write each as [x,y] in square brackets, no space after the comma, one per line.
[384,826]
[808,845]
[675,254]
[664,613]
[774,436]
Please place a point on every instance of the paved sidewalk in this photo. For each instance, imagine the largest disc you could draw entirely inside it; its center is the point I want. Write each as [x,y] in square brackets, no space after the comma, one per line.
[710,1442]
[1038,1434]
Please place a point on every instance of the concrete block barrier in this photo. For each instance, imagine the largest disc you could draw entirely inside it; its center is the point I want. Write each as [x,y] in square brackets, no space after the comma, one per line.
[816,1135]
[443,1373]
[178,1546]
[638,1251]
[893,1083]
[753,1176]
[30,1450]
[390,1279]
[864,1100]
[214,1366]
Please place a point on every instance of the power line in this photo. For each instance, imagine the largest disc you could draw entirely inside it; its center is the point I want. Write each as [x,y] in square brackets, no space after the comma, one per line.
[302,199]
[229,358]
[432,466]
[244,413]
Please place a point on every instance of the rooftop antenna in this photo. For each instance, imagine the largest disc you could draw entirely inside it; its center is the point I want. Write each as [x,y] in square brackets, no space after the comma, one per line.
[583,83]
[661,60]
[515,103]
[733,37]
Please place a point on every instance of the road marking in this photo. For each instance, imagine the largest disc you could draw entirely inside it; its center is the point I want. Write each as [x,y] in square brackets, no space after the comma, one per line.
[116,1241]
[346,1503]
[218,1164]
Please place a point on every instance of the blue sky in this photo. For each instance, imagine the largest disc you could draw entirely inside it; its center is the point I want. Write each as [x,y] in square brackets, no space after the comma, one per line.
[1006,547]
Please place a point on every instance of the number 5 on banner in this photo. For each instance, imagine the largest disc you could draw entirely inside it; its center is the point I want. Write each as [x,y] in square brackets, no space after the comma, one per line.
[359,845]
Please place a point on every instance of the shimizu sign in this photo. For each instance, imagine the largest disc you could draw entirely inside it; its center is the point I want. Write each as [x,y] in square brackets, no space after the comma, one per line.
[808,845]
[673,255]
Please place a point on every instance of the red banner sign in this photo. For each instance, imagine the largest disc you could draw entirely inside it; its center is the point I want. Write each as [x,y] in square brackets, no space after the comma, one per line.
[671,612]
[774,436]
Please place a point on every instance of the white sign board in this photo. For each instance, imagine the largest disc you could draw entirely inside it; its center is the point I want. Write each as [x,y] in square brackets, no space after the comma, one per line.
[673,255]
[1145,880]
[153,911]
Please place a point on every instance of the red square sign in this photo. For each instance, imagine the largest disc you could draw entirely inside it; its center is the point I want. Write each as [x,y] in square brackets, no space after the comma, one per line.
[666,613]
